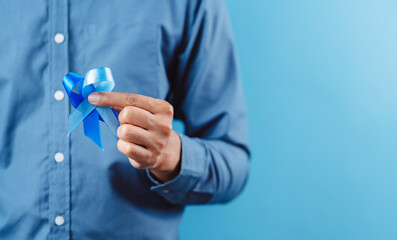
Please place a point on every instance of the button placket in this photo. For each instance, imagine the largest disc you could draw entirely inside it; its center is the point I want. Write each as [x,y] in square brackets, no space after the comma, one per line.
[59,175]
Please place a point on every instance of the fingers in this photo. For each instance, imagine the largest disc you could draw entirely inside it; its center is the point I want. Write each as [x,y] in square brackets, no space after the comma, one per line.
[146,127]
[144,119]
[139,156]
[136,116]
[134,134]
[116,99]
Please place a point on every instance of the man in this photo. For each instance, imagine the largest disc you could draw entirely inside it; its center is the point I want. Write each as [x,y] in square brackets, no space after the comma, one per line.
[170,60]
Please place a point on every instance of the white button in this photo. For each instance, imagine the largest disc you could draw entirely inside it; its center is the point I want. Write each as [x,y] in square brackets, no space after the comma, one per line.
[59,95]
[59,220]
[166,191]
[59,38]
[59,157]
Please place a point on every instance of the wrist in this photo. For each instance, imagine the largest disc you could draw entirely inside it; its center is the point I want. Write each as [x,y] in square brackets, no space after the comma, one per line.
[170,160]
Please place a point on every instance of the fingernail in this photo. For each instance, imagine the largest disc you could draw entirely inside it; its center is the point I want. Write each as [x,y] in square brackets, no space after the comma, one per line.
[93,97]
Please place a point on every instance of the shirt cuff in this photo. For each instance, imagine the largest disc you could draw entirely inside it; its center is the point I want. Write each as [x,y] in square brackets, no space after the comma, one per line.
[193,164]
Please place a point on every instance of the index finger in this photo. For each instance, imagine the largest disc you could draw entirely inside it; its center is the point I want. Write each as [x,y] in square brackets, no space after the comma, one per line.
[121,100]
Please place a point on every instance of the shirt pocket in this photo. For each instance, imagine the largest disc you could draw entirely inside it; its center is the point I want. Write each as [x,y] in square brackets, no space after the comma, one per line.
[130,50]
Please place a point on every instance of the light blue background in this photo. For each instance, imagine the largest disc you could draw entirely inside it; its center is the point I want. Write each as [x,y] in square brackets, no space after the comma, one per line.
[320,79]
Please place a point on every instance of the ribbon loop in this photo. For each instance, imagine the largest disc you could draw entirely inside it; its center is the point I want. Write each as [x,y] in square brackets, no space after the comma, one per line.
[78,88]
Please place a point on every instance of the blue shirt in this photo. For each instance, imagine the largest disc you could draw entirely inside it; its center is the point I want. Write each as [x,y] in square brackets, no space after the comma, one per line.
[57,187]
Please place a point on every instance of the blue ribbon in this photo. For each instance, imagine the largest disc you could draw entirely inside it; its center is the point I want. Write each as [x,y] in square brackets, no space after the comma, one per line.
[78,88]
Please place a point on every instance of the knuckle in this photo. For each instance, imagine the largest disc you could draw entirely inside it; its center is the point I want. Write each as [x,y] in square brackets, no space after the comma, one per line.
[169,109]
[124,130]
[156,151]
[161,145]
[125,148]
[125,115]
[130,115]
[165,129]
[136,164]
[166,107]
[122,116]
[153,104]
[104,98]
[145,160]
[129,148]
[154,160]
[130,100]
[151,121]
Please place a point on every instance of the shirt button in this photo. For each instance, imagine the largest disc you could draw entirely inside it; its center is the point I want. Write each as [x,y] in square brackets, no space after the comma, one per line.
[59,157]
[59,95]
[166,191]
[59,38]
[59,220]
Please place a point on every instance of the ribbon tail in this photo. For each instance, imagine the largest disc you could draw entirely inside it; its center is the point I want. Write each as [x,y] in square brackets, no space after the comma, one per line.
[92,129]
[78,115]
[110,118]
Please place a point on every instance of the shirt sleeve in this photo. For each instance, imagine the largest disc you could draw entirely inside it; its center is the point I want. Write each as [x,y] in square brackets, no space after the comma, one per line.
[207,97]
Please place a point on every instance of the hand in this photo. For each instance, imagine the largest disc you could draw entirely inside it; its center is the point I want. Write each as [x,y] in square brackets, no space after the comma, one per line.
[145,133]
